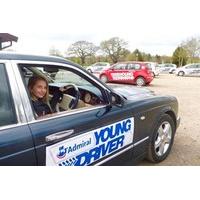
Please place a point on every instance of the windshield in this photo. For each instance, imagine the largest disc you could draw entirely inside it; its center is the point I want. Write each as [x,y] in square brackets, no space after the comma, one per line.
[63,76]
[57,75]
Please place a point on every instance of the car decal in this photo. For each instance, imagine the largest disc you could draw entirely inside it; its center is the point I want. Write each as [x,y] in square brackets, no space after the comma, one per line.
[122,76]
[91,146]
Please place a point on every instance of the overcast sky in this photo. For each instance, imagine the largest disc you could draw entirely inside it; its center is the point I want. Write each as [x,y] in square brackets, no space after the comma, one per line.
[152,26]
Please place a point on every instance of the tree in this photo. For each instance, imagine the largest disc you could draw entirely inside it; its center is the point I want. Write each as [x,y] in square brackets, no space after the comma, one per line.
[179,56]
[82,49]
[55,52]
[138,55]
[115,48]
[158,58]
[192,46]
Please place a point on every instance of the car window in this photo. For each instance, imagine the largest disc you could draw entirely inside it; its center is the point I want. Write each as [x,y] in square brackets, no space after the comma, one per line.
[119,66]
[134,66]
[137,66]
[96,64]
[7,112]
[189,67]
[131,66]
[73,90]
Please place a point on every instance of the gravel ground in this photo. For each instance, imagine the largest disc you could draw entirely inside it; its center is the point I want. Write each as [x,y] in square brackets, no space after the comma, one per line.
[186,148]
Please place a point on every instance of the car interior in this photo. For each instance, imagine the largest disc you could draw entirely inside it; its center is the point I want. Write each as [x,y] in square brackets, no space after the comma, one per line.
[77,88]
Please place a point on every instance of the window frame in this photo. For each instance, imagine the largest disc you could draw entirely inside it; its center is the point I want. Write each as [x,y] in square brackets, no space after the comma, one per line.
[26,100]
[12,93]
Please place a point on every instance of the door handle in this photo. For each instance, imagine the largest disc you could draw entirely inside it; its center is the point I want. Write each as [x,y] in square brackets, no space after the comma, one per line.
[59,135]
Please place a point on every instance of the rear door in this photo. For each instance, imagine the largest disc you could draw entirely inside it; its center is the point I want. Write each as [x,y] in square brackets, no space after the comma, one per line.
[16,144]
[93,132]
[189,69]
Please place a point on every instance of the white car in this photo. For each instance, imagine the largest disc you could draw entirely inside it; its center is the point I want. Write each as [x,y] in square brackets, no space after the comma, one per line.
[99,66]
[168,68]
[189,70]
[153,66]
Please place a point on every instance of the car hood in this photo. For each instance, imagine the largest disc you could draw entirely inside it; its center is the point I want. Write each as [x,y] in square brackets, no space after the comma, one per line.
[131,92]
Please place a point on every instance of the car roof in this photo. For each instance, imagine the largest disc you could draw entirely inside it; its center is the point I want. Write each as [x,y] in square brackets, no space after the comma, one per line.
[16,56]
[126,62]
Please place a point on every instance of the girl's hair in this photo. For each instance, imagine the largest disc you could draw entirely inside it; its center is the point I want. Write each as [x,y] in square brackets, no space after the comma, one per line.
[32,81]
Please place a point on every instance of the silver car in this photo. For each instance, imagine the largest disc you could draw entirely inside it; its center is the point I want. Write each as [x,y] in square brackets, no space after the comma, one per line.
[167,68]
[99,66]
[189,70]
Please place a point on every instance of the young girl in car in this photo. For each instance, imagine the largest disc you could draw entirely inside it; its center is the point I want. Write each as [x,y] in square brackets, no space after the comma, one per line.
[39,91]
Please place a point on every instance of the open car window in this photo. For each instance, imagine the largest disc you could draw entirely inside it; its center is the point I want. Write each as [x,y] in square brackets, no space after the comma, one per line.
[73,86]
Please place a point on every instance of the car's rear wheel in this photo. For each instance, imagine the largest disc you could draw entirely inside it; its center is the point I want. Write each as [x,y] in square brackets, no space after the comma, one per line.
[104,78]
[162,139]
[181,73]
[140,81]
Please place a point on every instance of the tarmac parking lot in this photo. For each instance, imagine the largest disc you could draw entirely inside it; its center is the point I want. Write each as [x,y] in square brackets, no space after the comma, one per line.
[186,148]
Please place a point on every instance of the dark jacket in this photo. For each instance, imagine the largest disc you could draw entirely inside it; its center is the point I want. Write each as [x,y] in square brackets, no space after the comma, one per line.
[42,108]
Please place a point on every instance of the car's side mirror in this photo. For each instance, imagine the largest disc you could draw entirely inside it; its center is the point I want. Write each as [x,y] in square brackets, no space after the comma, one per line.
[116,99]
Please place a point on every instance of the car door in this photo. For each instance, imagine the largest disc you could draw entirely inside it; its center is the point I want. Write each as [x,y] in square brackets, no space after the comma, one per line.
[120,73]
[189,70]
[83,136]
[196,70]
[16,144]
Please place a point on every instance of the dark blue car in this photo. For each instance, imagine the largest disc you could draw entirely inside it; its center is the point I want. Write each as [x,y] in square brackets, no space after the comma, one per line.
[93,124]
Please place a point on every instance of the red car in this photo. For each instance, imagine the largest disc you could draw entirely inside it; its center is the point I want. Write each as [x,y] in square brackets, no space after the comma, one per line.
[128,72]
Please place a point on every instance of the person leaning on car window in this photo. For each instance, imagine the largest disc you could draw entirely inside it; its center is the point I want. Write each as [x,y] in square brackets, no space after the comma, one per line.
[39,91]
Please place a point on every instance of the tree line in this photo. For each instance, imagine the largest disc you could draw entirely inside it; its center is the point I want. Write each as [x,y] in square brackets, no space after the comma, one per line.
[116,49]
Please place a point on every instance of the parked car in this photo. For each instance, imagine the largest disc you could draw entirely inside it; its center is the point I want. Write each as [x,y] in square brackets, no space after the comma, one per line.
[153,66]
[93,124]
[168,68]
[97,67]
[128,72]
[189,70]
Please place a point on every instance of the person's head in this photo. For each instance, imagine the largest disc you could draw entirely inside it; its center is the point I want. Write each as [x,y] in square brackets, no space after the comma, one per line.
[38,87]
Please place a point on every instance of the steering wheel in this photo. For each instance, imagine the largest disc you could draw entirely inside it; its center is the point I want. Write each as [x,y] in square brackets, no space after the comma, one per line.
[72,101]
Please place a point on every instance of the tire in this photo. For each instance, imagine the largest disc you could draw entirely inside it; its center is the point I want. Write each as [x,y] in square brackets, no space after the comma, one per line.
[181,73]
[140,81]
[173,71]
[161,140]
[104,78]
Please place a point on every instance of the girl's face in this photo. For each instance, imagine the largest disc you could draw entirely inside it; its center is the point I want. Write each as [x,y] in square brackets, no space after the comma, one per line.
[39,90]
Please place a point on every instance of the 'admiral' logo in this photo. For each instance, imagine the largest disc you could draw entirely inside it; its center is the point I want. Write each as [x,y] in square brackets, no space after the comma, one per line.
[62,152]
